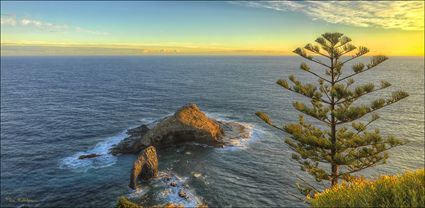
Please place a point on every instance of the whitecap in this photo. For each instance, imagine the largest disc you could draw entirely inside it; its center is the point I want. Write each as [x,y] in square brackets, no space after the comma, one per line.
[160,191]
[102,148]
[254,132]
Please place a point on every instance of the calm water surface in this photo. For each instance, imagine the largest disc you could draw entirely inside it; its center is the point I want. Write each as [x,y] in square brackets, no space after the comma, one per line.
[55,108]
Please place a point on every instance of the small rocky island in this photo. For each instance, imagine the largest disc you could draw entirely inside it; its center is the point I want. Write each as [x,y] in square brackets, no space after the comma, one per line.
[188,124]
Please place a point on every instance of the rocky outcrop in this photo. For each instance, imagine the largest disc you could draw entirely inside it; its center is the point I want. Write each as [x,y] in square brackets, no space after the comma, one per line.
[134,143]
[81,157]
[145,167]
[188,124]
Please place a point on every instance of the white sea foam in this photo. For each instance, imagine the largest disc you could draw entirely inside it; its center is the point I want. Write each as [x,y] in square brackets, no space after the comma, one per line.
[254,132]
[102,148]
[161,190]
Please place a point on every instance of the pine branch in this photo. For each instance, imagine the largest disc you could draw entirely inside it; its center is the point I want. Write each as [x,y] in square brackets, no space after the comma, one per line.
[356,97]
[325,92]
[359,169]
[362,51]
[371,155]
[311,115]
[320,77]
[348,51]
[319,62]
[311,49]
[353,74]
[315,99]
[365,127]
[302,53]
[348,40]
[364,145]
[372,65]
[371,164]
[263,116]
[345,88]
[342,122]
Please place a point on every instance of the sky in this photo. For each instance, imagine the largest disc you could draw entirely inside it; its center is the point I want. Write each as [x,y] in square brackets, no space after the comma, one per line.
[393,28]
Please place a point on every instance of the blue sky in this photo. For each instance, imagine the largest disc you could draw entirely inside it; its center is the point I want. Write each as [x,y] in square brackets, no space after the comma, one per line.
[258,27]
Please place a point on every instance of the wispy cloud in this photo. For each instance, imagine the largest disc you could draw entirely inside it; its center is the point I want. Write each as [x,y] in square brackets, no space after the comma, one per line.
[405,15]
[43,25]
[10,20]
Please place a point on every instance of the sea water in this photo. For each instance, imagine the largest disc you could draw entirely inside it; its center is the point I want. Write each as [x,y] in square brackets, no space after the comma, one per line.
[54,109]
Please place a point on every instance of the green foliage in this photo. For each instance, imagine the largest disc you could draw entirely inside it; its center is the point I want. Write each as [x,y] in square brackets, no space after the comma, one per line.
[123,202]
[263,117]
[407,190]
[343,145]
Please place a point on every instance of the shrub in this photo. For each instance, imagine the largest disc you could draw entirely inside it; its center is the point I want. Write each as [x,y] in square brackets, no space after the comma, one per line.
[407,190]
[123,202]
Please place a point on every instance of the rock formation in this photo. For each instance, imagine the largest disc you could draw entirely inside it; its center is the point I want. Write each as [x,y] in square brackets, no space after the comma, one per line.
[188,124]
[145,167]
[88,156]
[134,143]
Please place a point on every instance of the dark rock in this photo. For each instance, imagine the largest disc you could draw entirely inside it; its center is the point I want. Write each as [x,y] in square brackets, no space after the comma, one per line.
[88,156]
[133,143]
[173,184]
[145,167]
[182,194]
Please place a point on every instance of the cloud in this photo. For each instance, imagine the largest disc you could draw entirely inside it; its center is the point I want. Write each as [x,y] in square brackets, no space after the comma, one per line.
[405,15]
[8,20]
[44,25]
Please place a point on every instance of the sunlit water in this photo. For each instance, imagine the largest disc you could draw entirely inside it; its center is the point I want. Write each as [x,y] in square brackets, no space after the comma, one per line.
[54,109]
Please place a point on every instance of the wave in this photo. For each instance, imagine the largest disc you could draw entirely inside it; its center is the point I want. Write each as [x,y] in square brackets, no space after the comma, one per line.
[254,132]
[159,191]
[102,148]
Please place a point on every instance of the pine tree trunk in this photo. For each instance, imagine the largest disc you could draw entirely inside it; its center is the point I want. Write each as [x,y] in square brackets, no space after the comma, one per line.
[335,172]
[335,169]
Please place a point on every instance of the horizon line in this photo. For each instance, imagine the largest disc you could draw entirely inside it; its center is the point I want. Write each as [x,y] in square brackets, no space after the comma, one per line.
[143,49]
[193,55]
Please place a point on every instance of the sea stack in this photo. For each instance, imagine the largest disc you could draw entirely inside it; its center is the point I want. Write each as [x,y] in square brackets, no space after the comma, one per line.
[144,167]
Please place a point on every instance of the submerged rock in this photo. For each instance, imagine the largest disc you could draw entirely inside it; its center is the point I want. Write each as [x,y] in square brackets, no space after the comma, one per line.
[145,167]
[188,124]
[81,157]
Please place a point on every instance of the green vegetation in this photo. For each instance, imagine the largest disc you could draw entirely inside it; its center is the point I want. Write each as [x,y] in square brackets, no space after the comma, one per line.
[407,190]
[123,202]
[343,144]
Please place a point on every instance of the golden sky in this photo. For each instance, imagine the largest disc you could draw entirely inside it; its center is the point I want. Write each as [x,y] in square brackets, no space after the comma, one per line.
[393,28]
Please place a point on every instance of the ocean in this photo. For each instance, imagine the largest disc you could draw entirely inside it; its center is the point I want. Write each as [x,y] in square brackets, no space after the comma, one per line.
[56,108]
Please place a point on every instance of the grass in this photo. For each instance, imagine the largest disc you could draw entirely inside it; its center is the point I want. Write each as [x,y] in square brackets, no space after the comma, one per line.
[407,190]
